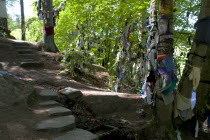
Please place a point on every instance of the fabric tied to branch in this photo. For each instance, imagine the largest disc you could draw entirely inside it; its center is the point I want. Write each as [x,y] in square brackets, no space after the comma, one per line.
[161,57]
[183,107]
[169,80]
[195,76]
[169,63]
[203,30]
[48,30]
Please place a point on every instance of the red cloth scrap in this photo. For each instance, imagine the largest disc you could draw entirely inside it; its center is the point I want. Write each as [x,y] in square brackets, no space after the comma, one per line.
[161,57]
[48,30]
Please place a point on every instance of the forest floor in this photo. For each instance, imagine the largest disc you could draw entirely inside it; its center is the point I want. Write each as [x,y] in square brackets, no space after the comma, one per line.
[99,111]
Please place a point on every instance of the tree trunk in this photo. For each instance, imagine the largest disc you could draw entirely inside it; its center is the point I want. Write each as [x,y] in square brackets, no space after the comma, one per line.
[3,17]
[203,91]
[197,59]
[161,66]
[48,29]
[23,36]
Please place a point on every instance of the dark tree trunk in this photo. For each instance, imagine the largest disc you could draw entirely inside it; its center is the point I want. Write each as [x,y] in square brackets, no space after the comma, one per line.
[23,36]
[197,59]
[48,29]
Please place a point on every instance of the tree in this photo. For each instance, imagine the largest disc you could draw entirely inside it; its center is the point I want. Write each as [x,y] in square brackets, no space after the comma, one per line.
[45,9]
[23,36]
[161,79]
[191,75]
[3,17]
[198,62]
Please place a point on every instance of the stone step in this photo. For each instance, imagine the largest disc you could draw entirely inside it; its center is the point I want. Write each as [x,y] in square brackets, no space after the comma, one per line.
[72,93]
[48,103]
[57,124]
[58,111]
[54,111]
[20,44]
[47,94]
[27,60]
[77,134]
[22,47]
[31,64]
[24,51]
[26,56]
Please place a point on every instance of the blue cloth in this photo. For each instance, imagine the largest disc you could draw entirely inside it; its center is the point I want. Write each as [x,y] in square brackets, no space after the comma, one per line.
[169,63]
[8,74]
[170,80]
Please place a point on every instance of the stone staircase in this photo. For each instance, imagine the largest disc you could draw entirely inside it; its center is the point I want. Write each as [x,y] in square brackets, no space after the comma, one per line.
[26,54]
[60,119]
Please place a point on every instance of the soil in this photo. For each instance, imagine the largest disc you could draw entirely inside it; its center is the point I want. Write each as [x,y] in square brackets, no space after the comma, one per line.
[109,114]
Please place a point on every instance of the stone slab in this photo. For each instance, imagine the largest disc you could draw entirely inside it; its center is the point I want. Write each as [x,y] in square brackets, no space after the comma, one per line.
[72,93]
[48,103]
[31,64]
[22,47]
[25,51]
[58,111]
[47,94]
[26,56]
[77,134]
[57,124]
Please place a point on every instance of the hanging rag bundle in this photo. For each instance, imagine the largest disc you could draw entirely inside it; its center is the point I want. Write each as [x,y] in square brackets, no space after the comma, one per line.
[161,57]
[169,63]
[183,107]
[169,80]
[195,76]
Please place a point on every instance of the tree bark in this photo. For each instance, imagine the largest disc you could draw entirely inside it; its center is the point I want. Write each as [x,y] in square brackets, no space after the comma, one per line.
[164,106]
[185,86]
[197,58]
[3,17]
[48,29]
[203,91]
[23,36]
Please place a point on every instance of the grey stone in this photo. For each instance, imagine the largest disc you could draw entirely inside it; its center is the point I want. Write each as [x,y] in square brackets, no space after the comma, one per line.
[31,64]
[72,93]
[58,111]
[49,103]
[77,134]
[25,51]
[57,124]
[48,94]
[26,56]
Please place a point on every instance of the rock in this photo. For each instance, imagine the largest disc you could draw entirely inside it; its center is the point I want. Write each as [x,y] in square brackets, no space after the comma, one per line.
[49,103]
[31,64]
[47,94]
[58,111]
[58,124]
[72,93]
[77,134]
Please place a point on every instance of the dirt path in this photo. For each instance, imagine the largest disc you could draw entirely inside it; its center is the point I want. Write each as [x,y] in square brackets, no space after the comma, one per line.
[98,106]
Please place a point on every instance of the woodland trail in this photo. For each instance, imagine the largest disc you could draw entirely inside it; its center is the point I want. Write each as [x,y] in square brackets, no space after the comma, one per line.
[98,107]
